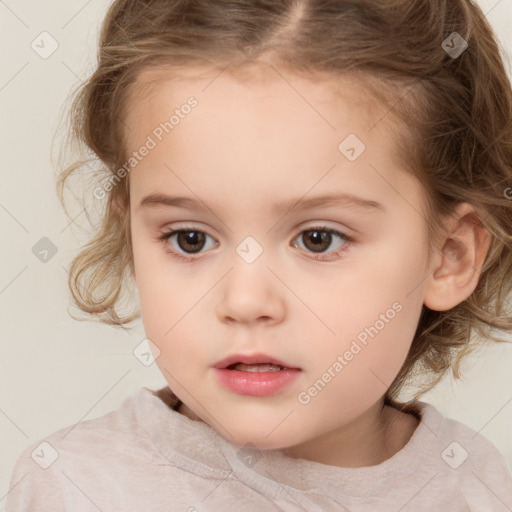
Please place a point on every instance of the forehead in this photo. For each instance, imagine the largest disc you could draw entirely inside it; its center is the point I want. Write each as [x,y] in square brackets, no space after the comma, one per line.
[256,129]
[261,84]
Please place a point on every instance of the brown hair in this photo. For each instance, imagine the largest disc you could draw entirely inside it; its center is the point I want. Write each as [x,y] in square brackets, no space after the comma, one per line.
[455,136]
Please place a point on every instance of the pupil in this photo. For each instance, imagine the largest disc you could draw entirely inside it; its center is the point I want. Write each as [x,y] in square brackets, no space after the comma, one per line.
[192,238]
[320,240]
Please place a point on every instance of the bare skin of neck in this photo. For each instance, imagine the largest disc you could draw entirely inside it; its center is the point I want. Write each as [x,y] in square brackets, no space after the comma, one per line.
[370,439]
[375,436]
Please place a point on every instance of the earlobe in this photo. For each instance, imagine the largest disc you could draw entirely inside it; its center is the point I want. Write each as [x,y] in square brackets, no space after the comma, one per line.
[464,246]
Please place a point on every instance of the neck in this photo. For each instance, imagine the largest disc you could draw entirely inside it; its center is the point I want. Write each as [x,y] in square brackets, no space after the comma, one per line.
[375,436]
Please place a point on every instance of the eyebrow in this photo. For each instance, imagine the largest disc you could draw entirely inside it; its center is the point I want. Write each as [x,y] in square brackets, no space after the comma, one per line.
[158,199]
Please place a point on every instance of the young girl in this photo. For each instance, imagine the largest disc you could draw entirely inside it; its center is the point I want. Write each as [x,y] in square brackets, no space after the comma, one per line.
[314,201]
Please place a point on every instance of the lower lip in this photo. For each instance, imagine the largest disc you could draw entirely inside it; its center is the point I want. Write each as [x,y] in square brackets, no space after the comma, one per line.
[256,383]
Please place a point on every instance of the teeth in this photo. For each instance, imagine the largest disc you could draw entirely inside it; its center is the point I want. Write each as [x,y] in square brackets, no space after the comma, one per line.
[260,367]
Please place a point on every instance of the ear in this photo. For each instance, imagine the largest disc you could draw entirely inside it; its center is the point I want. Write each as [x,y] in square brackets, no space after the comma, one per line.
[464,243]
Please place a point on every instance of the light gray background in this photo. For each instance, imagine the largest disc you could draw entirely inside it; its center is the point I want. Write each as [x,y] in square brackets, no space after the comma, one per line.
[55,371]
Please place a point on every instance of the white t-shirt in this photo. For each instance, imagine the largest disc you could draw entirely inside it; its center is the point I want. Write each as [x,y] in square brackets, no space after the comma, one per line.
[147,457]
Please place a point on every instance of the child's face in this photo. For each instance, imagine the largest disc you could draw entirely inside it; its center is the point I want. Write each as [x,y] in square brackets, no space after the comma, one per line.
[242,150]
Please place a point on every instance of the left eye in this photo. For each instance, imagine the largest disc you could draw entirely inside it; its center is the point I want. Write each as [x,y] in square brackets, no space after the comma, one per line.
[320,238]
[316,240]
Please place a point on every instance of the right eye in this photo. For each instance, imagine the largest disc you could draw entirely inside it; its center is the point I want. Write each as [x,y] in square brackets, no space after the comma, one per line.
[191,240]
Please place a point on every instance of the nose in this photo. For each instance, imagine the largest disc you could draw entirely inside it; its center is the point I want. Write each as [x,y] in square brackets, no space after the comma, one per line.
[251,293]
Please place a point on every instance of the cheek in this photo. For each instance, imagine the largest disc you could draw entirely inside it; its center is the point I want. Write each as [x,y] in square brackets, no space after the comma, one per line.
[157,292]
[387,342]
[170,300]
[375,317]
[356,371]
[171,322]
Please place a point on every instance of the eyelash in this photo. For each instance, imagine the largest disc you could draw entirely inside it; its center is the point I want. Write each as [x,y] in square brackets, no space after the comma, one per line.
[164,238]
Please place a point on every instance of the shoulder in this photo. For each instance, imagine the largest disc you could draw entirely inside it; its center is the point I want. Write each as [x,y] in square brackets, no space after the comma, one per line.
[110,443]
[464,444]
[105,435]
[469,460]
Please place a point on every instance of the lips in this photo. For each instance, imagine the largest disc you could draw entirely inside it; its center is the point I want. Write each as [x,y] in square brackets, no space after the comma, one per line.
[252,359]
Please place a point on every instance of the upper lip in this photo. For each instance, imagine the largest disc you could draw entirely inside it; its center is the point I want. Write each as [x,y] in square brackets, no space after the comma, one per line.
[250,359]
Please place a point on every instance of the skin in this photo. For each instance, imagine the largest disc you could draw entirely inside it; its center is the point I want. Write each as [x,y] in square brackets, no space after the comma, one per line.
[248,145]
